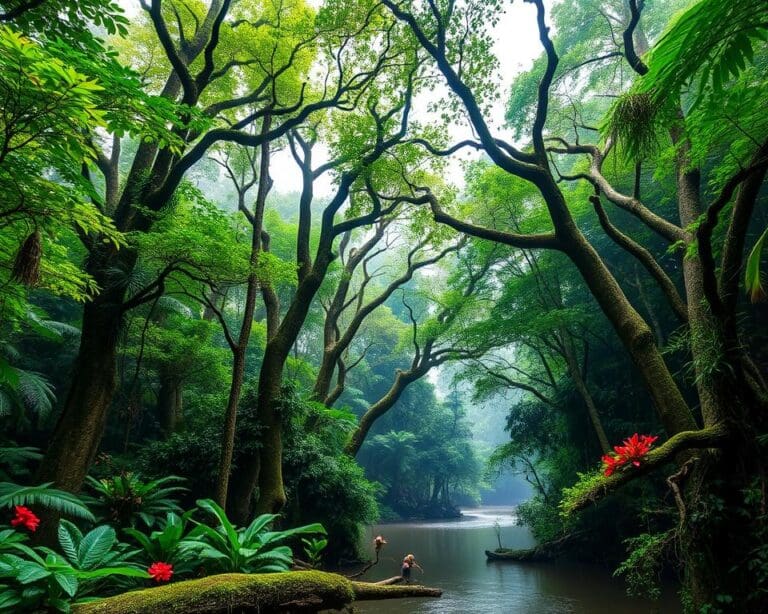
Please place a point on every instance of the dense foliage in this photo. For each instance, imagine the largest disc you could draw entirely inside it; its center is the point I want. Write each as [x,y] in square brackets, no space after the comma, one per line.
[244,273]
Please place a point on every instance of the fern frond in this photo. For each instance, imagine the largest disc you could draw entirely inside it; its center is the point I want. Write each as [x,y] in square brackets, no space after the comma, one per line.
[43,495]
[36,392]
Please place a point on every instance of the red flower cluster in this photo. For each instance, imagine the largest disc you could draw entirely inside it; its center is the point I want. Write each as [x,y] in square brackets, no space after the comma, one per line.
[631,452]
[25,517]
[160,572]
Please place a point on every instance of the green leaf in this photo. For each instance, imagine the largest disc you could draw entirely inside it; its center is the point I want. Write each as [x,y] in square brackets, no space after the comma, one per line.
[95,546]
[52,498]
[752,279]
[69,540]
[257,526]
[67,581]
[31,572]
[8,601]
[212,507]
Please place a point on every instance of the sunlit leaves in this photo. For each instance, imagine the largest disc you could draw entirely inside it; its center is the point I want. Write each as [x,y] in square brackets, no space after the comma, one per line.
[72,22]
[51,106]
[196,236]
[707,45]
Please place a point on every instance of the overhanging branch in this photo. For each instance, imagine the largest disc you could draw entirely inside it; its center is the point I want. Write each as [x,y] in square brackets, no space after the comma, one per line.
[710,437]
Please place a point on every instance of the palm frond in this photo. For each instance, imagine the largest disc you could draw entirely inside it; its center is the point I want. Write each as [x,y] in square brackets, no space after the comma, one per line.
[43,495]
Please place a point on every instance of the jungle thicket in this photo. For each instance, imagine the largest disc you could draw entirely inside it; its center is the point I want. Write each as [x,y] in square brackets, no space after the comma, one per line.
[330,347]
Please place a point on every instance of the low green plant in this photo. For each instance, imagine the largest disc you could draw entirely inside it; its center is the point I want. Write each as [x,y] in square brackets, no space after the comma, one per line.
[253,549]
[37,578]
[125,499]
[164,543]
[313,550]
[642,568]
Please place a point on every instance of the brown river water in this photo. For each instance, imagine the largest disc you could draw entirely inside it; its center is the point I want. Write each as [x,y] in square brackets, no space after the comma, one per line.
[452,554]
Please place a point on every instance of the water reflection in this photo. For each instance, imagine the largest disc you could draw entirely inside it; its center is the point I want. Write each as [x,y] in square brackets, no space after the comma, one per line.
[452,555]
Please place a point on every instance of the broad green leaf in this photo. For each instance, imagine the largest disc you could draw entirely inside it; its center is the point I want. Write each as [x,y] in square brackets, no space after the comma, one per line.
[69,540]
[67,581]
[94,546]
[31,572]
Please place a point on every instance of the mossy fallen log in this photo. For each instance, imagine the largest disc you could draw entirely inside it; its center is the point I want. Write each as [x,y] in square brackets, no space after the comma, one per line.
[547,551]
[297,591]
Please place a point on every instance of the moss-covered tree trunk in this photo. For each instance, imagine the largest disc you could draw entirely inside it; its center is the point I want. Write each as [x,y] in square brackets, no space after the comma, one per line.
[262,468]
[80,426]
[631,328]
[239,347]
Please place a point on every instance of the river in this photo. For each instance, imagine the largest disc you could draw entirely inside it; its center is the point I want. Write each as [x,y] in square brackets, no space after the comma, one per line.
[452,554]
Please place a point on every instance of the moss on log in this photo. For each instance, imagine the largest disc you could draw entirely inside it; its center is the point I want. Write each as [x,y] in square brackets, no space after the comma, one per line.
[548,551]
[298,591]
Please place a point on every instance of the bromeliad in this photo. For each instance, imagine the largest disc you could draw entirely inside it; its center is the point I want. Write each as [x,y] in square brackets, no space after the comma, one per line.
[631,452]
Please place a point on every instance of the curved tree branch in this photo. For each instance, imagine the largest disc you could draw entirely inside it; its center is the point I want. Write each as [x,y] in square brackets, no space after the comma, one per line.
[646,259]
[635,8]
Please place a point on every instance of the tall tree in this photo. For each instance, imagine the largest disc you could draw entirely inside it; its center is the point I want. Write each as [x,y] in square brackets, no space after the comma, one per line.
[375,133]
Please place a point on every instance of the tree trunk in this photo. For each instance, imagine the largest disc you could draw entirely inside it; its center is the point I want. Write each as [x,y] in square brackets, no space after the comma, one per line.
[703,330]
[251,466]
[240,348]
[80,427]
[650,309]
[230,424]
[169,404]
[325,372]
[722,528]
[402,380]
[581,386]
[633,331]
[78,431]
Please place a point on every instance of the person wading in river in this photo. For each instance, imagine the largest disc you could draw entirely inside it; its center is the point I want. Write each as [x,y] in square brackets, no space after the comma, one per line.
[408,562]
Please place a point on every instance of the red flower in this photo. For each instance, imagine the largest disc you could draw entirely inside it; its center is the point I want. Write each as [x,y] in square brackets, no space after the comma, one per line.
[379,542]
[160,572]
[25,516]
[631,452]
[611,464]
